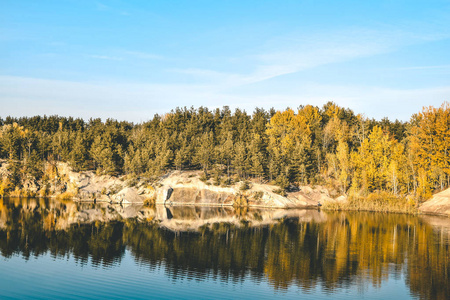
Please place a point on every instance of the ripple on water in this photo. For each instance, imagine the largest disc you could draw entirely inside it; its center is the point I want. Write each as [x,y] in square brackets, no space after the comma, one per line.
[344,256]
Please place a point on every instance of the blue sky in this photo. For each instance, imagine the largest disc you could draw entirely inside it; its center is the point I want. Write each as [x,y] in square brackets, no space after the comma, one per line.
[131,59]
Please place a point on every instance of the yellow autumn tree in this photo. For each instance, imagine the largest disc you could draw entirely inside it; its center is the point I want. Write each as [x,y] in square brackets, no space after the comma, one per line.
[429,147]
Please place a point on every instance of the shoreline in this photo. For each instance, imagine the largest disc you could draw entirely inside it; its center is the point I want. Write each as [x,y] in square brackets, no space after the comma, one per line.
[188,188]
[415,212]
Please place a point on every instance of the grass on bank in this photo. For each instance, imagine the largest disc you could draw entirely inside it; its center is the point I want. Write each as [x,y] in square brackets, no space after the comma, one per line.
[377,202]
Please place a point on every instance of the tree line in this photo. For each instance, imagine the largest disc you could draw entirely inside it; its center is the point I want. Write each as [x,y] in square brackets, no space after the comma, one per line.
[330,146]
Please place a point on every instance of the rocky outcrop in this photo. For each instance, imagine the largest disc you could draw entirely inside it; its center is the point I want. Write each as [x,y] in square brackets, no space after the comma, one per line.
[311,197]
[174,188]
[128,195]
[186,188]
[89,186]
[439,204]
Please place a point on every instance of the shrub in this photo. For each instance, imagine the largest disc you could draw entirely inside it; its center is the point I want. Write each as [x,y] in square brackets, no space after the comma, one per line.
[45,190]
[216,179]
[281,192]
[258,195]
[282,182]
[17,192]
[226,182]
[245,185]
[377,201]
[240,201]
[204,177]
[115,189]
[5,187]
[65,196]
[151,201]
[133,181]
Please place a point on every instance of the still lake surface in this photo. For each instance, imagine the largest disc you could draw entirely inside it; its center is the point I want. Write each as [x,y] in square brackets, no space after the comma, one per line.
[54,250]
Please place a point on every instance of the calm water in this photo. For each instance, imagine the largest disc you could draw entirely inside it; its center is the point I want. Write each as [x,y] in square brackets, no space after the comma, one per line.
[52,249]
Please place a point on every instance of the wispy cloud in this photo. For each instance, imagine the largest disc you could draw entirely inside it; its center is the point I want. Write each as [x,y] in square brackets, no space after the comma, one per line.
[143,55]
[102,7]
[105,57]
[299,52]
[107,8]
[425,67]
[211,77]
[290,54]
[126,55]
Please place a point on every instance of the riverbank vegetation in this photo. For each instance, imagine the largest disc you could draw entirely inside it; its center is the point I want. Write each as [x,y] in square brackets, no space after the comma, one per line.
[377,201]
[331,146]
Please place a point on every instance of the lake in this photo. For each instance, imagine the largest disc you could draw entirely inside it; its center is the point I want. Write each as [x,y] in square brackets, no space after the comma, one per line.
[61,249]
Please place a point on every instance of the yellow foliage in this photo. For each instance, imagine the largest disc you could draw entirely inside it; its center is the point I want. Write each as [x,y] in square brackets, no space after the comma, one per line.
[5,187]
[17,192]
[429,146]
[240,201]
[150,201]
[44,191]
[380,201]
[65,196]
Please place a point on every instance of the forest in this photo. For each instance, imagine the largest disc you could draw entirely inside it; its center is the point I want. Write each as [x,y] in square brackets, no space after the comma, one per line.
[330,146]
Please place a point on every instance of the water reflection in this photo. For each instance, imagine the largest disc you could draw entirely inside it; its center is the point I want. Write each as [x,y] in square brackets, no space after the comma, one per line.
[304,248]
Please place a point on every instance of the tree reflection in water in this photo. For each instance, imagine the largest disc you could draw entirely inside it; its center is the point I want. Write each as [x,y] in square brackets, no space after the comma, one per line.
[302,248]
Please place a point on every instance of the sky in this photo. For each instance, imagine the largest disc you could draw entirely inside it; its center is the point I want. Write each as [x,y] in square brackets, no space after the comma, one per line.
[129,60]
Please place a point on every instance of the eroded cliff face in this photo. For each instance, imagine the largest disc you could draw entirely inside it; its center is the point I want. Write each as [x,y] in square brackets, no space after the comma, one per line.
[186,188]
[175,188]
[439,204]
[88,186]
